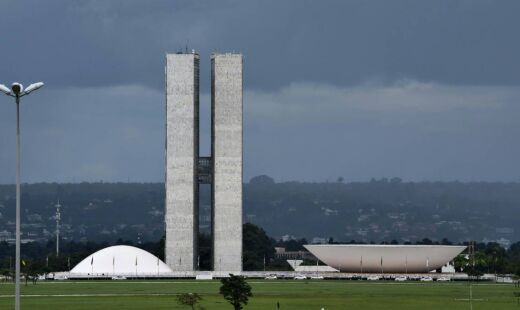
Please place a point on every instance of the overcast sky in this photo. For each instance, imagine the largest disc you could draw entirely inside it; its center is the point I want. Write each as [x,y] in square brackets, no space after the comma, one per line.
[422,90]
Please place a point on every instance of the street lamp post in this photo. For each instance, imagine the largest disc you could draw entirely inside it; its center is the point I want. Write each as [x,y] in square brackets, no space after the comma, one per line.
[17,92]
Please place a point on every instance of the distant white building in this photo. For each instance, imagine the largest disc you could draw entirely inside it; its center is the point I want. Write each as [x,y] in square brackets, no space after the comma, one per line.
[5,235]
[319,240]
[503,242]
[448,268]
[286,238]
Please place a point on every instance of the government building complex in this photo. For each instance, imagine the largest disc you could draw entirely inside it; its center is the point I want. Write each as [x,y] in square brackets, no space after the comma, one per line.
[185,169]
[222,169]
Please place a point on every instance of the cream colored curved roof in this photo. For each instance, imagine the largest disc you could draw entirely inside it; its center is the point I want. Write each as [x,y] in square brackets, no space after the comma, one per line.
[384,258]
[121,260]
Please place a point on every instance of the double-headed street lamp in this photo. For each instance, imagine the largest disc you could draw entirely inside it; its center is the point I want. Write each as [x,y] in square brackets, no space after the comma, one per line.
[17,92]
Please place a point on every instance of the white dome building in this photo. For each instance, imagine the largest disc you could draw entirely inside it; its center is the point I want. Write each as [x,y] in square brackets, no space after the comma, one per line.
[120,260]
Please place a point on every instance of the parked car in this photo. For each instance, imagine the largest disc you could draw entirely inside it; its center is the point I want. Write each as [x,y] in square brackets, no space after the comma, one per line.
[317,278]
[300,277]
[444,279]
[426,279]
[60,277]
[118,278]
[401,279]
[373,278]
[271,277]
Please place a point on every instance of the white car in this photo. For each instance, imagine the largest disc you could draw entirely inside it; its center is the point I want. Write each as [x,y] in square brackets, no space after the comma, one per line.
[373,278]
[118,278]
[300,277]
[444,279]
[271,277]
[60,277]
[317,278]
[426,279]
[401,279]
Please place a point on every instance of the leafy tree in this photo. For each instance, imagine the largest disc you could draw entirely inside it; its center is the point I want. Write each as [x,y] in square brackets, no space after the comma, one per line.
[257,247]
[477,265]
[262,180]
[495,257]
[236,291]
[480,260]
[426,241]
[513,257]
[7,274]
[474,272]
[460,262]
[189,299]
[446,241]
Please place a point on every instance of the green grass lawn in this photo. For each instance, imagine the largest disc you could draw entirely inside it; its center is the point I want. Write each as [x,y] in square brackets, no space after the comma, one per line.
[291,295]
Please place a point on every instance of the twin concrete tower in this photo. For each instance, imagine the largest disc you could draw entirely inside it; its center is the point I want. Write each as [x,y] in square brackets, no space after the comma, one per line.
[185,169]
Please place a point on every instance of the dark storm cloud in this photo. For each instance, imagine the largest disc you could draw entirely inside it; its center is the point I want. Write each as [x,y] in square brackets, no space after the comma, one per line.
[414,130]
[84,134]
[359,89]
[99,43]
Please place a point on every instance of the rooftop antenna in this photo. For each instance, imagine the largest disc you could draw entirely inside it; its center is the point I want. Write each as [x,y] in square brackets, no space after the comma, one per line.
[58,218]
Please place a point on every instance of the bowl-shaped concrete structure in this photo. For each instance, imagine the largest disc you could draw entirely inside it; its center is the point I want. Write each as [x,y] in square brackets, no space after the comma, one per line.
[384,258]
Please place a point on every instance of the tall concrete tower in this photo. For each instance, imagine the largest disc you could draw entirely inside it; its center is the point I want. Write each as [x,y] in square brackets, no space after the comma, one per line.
[182,154]
[226,149]
[185,170]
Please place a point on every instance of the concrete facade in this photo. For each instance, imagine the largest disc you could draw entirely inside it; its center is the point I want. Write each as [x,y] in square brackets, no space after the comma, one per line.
[185,169]
[182,153]
[226,148]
